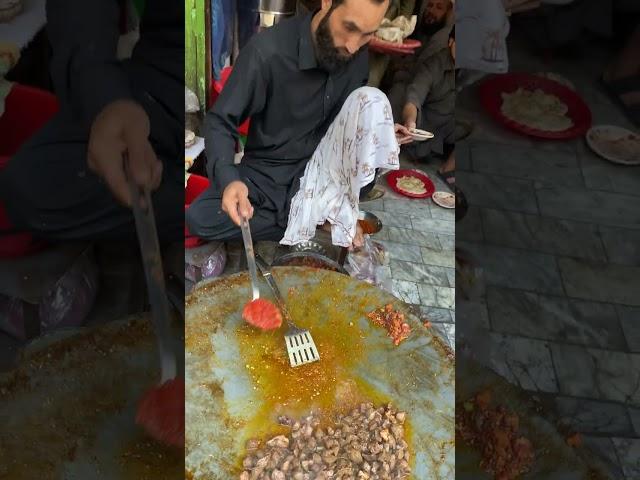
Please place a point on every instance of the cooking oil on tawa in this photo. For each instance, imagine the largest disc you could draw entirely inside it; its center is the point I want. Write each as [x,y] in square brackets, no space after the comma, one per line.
[334,309]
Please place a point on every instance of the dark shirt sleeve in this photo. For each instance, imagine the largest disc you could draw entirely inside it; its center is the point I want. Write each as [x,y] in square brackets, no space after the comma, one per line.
[243,95]
[84,66]
[426,74]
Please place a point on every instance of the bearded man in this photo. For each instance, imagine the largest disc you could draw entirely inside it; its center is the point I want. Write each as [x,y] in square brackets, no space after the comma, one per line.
[316,137]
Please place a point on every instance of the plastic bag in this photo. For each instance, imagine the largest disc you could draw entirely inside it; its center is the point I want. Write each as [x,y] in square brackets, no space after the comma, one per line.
[191,102]
[205,261]
[65,304]
[369,264]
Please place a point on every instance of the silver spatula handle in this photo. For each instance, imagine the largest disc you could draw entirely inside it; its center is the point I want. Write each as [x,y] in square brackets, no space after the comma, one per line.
[266,273]
[152,260]
[251,261]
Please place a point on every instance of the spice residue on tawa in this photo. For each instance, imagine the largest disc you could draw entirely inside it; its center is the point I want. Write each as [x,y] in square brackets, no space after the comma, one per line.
[144,458]
[495,432]
[392,321]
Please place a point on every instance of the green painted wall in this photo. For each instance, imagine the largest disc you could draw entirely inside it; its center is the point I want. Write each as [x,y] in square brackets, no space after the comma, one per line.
[196,75]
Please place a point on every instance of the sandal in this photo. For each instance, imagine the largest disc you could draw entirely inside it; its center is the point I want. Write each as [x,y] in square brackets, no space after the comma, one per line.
[617,88]
[445,176]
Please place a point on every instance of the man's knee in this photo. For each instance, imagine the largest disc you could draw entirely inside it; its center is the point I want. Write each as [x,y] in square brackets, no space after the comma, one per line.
[194,220]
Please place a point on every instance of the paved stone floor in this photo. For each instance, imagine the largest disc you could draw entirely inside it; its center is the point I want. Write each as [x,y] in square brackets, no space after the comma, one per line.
[556,230]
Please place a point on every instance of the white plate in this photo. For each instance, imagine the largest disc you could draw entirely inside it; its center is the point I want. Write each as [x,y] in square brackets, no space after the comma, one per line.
[439,199]
[420,135]
[606,141]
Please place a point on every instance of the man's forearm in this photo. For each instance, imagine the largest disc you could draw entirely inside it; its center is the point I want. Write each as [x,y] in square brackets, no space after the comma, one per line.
[220,144]
[84,67]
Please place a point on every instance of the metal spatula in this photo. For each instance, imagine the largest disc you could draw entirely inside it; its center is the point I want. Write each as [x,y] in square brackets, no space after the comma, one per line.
[152,260]
[300,345]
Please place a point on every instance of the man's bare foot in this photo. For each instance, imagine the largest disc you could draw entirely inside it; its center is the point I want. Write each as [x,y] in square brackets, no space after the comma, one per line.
[358,240]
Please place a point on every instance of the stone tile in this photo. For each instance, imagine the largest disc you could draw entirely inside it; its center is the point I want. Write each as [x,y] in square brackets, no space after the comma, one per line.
[392,219]
[575,370]
[555,318]
[447,242]
[493,191]
[600,174]
[548,167]
[406,291]
[435,314]
[434,296]
[470,312]
[411,237]
[425,224]
[628,450]
[524,362]
[622,245]
[630,320]
[398,251]
[448,214]
[543,234]
[634,415]
[600,282]
[419,273]
[449,331]
[377,204]
[413,207]
[605,451]
[510,268]
[588,416]
[440,258]
[598,374]
[604,208]
[470,227]
[451,276]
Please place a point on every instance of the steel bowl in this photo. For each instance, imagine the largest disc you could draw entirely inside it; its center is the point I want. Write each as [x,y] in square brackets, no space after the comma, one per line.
[374,222]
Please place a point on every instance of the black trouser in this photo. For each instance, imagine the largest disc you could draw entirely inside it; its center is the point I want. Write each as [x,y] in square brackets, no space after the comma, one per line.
[48,189]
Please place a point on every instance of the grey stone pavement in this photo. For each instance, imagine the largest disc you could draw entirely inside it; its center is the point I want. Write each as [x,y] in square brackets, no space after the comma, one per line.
[419,237]
[556,230]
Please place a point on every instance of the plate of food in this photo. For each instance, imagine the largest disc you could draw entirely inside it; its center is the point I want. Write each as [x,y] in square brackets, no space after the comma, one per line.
[615,144]
[420,135]
[383,379]
[411,183]
[444,199]
[535,106]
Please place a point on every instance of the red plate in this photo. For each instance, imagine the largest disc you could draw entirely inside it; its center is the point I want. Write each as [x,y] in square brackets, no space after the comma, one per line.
[392,178]
[382,46]
[490,96]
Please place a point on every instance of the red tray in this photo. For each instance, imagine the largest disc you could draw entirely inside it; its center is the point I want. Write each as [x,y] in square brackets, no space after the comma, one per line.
[491,99]
[392,178]
[382,46]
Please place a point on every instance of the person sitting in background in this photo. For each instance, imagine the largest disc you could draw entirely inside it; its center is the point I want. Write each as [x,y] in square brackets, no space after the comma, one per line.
[378,62]
[428,103]
[621,78]
[435,21]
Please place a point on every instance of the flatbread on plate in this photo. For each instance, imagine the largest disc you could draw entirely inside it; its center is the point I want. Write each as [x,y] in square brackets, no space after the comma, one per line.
[411,185]
[536,109]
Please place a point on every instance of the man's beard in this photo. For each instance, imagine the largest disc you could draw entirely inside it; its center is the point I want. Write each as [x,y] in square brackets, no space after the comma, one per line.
[433,27]
[329,57]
